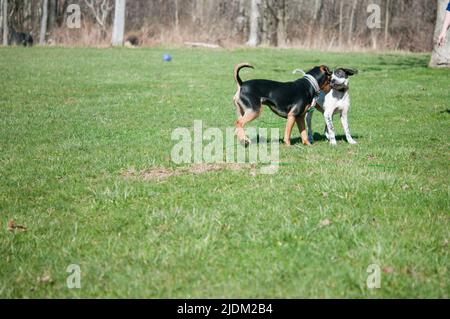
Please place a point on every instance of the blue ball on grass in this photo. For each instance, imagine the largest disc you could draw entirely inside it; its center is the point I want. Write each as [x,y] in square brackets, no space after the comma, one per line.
[167,57]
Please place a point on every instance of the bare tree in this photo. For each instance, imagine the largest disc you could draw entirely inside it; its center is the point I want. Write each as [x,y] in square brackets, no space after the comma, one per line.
[34,16]
[386,23]
[317,8]
[198,11]
[273,22]
[100,9]
[52,8]
[352,17]
[281,23]
[119,23]
[341,23]
[240,26]
[406,24]
[5,21]
[43,22]
[440,57]
[1,17]
[255,36]
[177,18]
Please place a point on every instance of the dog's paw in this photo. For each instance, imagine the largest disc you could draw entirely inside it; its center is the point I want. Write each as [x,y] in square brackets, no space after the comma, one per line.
[352,141]
[333,143]
[310,139]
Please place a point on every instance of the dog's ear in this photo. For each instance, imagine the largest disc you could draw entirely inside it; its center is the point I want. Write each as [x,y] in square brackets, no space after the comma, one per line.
[350,72]
[326,70]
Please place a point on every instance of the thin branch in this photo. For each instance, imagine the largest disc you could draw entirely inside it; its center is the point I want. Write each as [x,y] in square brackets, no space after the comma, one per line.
[100,11]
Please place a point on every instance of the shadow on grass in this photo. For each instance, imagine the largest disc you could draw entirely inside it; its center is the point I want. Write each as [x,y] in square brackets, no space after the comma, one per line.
[321,137]
[297,140]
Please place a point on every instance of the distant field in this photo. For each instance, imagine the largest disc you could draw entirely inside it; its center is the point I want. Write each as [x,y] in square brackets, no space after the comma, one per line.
[74,120]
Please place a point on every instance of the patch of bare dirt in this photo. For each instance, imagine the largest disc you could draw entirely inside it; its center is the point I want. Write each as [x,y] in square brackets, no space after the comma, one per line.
[157,174]
[161,173]
[12,226]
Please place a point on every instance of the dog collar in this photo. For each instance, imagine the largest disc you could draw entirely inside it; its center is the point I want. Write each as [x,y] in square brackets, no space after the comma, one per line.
[316,87]
[341,90]
[313,82]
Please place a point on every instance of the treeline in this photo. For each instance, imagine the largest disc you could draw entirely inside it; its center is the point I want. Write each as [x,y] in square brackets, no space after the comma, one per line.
[402,24]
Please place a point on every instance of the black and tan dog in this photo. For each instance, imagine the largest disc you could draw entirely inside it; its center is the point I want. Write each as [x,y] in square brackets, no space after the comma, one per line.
[290,100]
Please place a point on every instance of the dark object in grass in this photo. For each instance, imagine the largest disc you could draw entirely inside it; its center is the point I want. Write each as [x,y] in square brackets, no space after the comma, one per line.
[132,41]
[21,38]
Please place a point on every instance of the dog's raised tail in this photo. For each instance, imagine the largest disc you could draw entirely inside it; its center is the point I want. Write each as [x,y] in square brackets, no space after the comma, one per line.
[237,68]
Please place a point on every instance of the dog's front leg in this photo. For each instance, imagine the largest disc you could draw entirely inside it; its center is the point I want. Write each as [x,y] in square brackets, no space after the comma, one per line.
[302,128]
[309,124]
[288,131]
[344,122]
[328,115]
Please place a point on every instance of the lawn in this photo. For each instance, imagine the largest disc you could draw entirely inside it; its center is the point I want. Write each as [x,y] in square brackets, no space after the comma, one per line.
[74,120]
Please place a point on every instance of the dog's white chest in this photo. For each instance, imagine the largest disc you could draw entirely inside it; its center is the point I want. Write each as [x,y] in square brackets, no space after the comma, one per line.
[336,101]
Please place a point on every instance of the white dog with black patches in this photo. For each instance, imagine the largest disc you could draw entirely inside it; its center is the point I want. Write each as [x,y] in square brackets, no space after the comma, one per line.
[336,101]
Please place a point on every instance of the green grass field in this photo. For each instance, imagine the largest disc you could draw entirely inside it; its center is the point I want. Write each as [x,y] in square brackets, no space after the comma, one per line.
[73,120]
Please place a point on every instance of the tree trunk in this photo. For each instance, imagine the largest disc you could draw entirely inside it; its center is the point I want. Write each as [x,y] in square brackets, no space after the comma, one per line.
[269,22]
[352,17]
[34,17]
[386,24]
[240,25]
[177,18]
[317,9]
[5,22]
[341,22]
[119,23]
[440,57]
[281,23]
[27,15]
[1,18]
[43,22]
[255,36]
[198,12]
[52,14]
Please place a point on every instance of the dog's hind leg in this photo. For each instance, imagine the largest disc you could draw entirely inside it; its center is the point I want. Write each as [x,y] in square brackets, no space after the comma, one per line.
[239,110]
[248,116]
[344,122]
[325,132]
[288,130]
